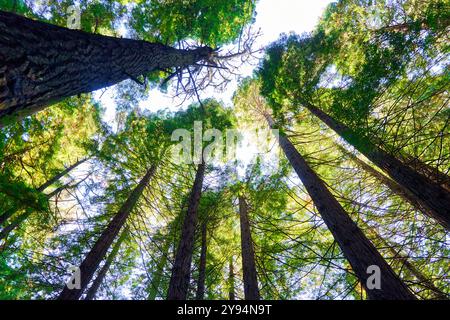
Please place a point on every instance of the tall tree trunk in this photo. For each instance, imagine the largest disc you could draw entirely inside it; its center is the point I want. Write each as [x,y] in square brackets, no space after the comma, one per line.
[357,249]
[429,194]
[202,266]
[100,248]
[90,295]
[231,294]
[251,291]
[8,213]
[41,63]
[181,271]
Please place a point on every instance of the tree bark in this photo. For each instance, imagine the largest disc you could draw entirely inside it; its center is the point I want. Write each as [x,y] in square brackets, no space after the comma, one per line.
[432,196]
[181,271]
[90,295]
[6,215]
[100,248]
[251,290]
[231,294]
[41,64]
[357,249]
[202,266]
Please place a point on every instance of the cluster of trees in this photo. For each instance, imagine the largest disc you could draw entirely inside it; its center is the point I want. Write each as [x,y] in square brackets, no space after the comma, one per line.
[361,104]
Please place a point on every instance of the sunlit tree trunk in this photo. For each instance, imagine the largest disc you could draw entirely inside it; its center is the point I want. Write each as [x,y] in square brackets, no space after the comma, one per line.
[429,194]
[202,266]
[357,249]
[100,248]
[251,290]
[42,63]
[181,271]
[102,273]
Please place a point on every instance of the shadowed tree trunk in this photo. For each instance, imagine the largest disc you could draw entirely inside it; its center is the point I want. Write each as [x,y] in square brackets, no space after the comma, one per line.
[231,295]
[429,194]
[251,291]
[202,266]
[181,271]
[357,249]
[100,248]
[6,215]
[102,273]
[41,63]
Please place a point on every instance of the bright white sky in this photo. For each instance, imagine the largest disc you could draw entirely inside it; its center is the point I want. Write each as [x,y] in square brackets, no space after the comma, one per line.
[273,17]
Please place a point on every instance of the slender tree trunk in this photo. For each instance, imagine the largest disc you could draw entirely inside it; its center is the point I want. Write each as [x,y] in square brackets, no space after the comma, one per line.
[429,194]
[8,213]
[90,295]
[231,289]
[100,248]
[181,271]
[158,274]
[202,266]
[41,63]
[357,249]
[251,291]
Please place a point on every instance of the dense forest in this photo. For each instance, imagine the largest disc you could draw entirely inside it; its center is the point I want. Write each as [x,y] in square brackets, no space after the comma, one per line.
[349,198]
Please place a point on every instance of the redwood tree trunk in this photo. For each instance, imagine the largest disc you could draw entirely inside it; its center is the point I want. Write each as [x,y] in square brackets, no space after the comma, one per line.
[100,248]
[357,249]
[251,291]
[428,193]
[42,63]
[202,266]
[181,271]
[102,273]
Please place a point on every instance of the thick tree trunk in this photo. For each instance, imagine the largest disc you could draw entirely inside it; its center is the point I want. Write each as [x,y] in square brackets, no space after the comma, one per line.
[429,194]
[231,294]
[357,249]
[6,215]
[90,295]
[251,290]
[100,248]
[202,266]
[181,271]
[42,63]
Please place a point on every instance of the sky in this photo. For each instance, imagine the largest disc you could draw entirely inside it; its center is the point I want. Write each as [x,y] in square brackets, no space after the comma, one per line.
[273,18]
